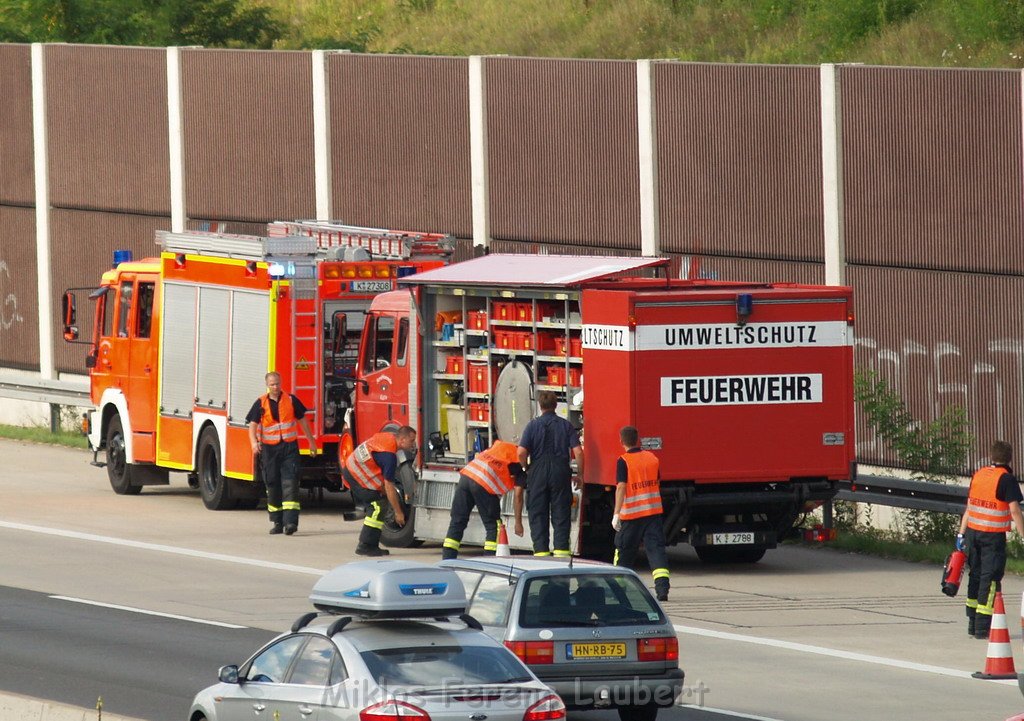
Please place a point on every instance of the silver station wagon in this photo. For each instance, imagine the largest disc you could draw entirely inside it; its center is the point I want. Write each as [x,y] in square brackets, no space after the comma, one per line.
[591,631]
[392,644]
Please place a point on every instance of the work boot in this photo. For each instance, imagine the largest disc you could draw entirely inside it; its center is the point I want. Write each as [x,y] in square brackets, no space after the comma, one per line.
[661,589]
[275,529]
[971,624]
[290,529]
[981,628]
[371,551]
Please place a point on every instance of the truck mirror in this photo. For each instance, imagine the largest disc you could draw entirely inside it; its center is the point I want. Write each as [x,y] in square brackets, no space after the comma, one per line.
[339,331]
[68,313]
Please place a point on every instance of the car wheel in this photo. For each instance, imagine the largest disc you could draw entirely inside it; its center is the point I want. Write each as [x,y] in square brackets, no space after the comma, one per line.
[727,554]
[638,713]
[213,487]
[119,470]
[395,537]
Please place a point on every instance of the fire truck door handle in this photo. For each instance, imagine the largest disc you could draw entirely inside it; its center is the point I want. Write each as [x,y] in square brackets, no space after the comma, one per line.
[147,369]
[390,412]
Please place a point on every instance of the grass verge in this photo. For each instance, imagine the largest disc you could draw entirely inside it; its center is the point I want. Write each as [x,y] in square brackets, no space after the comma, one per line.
[872,543]
[71,439]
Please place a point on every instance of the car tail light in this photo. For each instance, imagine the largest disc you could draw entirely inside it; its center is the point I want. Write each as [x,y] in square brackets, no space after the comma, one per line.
[549,708]
[533,652]
[657,649]
[392,711]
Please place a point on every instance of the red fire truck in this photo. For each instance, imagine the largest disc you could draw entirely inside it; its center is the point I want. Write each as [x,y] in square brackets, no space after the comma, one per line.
[181,343]
[744,391]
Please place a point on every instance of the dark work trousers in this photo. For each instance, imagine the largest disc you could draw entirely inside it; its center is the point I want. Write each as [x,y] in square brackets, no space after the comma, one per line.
[649,531]
[986,556]
[469,493]
[549,498]
[374,505]
[280,463]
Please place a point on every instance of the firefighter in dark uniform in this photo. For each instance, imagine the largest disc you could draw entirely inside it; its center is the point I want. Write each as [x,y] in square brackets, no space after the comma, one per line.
[638,510]
[370,473]
[548,441]
[489,476]
[992,502]
[273,434]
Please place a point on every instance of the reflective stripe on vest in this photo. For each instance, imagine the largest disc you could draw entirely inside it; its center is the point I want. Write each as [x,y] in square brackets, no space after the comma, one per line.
[360,462]
[643,491]
[985,512]
[490,468]
[284,429]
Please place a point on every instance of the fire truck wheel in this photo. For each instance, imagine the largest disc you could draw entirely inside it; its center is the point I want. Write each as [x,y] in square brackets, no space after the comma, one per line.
[730,554]
[638,713]
[119,470]
[213,487]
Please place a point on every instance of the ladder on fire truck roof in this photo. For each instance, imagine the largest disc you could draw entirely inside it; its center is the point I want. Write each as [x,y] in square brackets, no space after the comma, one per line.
[381,244]
[230,245]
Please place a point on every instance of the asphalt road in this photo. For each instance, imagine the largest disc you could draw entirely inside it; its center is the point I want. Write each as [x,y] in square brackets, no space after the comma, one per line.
[805,635]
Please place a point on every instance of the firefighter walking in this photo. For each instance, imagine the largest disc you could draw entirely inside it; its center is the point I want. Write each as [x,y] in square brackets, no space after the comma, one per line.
[548,441]
[370,473]
[638,510]
[992,502]
[489,476]
[273,434]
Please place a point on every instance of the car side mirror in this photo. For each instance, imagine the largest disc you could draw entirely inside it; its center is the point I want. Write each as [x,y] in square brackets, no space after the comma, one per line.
[69,315]
[228,674]
[339,331]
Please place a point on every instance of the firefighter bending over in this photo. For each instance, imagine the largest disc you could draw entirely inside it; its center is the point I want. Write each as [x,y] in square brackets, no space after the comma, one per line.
[489,476]
[370,473]
[273,434]
[638,510]
[993,500]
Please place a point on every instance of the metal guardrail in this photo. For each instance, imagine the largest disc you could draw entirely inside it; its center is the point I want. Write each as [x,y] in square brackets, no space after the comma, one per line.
[904,493]
[45,391]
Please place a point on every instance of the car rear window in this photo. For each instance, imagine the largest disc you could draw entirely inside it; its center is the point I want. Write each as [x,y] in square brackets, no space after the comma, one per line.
[613,599]
[444,665]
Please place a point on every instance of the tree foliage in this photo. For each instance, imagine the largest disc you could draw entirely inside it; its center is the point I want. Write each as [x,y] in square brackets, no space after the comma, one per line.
[210,23]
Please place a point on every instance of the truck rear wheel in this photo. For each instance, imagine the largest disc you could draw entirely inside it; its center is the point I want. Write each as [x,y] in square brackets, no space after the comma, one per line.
[730,554]
[213,487]
[119,470]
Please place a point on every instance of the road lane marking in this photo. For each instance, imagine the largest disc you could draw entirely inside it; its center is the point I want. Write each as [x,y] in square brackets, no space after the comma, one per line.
[834,653]
[735,714]
[176,550]
[146,612]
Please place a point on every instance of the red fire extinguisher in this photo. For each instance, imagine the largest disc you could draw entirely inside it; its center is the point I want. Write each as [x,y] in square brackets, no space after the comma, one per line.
[953,572]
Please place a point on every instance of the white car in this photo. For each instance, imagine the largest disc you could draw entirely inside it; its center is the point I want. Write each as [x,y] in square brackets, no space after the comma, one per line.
[381,653]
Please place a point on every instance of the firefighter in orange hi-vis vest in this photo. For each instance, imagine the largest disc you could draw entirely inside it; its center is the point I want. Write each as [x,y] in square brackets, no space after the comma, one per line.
[638,510]
[370,474]
[992,502]
[489,476]
[274,421]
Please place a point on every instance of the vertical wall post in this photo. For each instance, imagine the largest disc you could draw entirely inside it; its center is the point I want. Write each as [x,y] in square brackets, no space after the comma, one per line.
[478,151]
[647,138]
[832,175]
[321,137]
[40,154]
[176,140]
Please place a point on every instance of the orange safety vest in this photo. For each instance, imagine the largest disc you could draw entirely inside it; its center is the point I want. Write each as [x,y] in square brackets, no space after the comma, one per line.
[360,462]
[643,489]
[285,428]
[985,512]
[490,468]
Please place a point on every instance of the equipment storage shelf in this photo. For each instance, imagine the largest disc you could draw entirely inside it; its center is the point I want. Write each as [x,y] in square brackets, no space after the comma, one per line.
[476,333]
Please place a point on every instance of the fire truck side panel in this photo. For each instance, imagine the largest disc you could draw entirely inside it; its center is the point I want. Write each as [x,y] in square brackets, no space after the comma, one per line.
[250,330]
[177,375]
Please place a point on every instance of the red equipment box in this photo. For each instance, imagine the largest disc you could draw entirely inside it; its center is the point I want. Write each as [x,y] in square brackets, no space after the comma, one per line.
[479,411]
[453,365]
[477,382]
[477,320]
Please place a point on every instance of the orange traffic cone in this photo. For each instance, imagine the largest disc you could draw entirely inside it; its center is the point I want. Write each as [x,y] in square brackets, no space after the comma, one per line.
[503,549]
[999,663]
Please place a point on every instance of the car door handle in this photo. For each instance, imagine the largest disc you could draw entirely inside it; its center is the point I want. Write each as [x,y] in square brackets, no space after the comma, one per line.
[258,707]
[305,710]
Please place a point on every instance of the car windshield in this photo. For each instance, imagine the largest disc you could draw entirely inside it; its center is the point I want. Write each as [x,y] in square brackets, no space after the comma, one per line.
[612,599]
[434,666]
